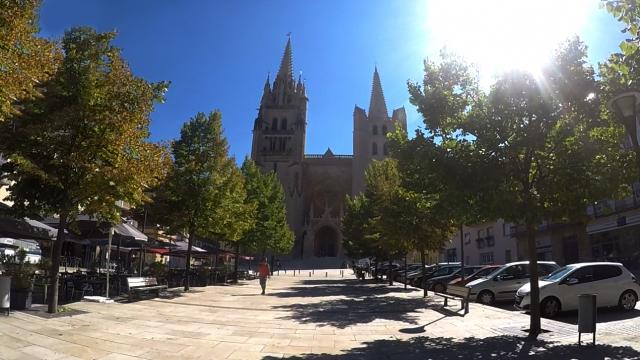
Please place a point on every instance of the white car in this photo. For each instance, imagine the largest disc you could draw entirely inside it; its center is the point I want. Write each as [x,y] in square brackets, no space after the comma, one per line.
[503,283]
[612,284]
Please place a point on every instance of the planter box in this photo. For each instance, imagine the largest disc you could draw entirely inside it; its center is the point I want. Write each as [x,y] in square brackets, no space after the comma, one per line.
[21,299]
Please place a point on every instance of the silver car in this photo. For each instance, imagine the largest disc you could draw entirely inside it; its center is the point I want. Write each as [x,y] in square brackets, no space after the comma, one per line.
[502,284]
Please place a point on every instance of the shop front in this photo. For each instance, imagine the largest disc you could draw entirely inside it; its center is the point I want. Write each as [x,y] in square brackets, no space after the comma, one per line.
[616,238]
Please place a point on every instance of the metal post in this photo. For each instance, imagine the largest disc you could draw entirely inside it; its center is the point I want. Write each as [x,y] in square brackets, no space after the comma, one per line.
[461,252]
[109,259]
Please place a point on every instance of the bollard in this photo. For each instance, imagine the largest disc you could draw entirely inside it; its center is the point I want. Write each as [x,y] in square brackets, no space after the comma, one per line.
[285,271]
[326,274]
[309,273]
[313,271]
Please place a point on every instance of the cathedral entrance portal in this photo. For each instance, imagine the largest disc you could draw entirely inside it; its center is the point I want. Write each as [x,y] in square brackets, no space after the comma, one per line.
[326,242]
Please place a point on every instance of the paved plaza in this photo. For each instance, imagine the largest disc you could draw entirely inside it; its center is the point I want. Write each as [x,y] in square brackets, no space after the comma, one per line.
[320,317]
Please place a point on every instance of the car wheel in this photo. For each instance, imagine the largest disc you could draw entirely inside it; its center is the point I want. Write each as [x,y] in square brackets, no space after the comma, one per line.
[486,297]
[550,307]
[439,288]
[628,300]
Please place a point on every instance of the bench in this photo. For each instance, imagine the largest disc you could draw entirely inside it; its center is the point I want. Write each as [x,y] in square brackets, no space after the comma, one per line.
[457,293]
[143,285]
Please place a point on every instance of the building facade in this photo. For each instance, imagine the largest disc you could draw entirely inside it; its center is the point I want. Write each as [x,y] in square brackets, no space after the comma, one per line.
[484,244]
[316,185]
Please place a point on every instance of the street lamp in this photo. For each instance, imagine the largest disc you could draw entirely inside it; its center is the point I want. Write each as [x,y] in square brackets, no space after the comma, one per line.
[626,105]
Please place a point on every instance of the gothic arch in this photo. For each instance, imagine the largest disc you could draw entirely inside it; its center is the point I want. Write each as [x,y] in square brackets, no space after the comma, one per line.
[283,124]
[326,242]
[274,124]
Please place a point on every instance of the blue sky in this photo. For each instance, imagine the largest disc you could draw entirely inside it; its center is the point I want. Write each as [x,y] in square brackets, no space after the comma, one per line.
[217,54]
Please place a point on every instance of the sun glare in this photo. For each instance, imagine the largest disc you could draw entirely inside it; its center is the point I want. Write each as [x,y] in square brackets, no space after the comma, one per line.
[499,35]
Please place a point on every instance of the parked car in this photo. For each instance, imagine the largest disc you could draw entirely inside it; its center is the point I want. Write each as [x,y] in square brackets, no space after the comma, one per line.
[438,270]
[502,284]
[482,272]
[398,273]
[612,283]
[439,283]
[414,273]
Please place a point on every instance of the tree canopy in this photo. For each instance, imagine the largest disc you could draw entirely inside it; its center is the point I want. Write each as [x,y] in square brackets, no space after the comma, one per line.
[26,60]
[83,146]
[271,231]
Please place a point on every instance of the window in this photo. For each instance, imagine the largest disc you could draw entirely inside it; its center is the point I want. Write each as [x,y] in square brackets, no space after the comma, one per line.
[491,241]
[520,271]
[481,243]
[275,167]
[385,150]
[490,231]
[467,238]
[486,258]
[507,256]
[374,149]
[602,272]
[283,124]
[274,124]
[506,229]
[375,129]
[584,274]
[384,130]
[480,234]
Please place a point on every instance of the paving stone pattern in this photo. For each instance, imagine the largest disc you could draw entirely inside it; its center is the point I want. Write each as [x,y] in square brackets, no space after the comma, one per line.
[300,318]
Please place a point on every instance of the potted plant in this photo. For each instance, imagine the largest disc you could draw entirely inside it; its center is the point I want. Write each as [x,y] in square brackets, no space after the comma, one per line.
[158,270]
[22,274]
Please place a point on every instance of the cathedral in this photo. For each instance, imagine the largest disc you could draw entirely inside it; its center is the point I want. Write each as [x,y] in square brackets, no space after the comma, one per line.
[316,185]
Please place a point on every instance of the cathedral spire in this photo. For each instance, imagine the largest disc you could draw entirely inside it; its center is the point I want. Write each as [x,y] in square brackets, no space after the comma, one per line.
[286,65]
[377,106]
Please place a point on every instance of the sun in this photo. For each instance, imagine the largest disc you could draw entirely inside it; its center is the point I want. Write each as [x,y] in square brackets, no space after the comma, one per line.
[499,35]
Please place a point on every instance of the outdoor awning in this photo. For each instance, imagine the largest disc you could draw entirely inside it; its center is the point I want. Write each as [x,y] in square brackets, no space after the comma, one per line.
[181,250]
[20,243]
[129,231]
[26,229]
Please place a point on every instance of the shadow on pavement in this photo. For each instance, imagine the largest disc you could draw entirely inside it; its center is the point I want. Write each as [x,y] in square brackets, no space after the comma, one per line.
[349,288]
[605,315]
[342,313]
[499,347]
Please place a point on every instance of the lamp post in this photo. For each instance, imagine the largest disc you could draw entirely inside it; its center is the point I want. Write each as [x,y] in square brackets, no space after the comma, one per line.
[626,105]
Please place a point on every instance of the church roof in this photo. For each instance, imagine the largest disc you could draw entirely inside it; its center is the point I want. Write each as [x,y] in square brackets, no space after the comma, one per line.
[286,65]
[328,153]
[377,106]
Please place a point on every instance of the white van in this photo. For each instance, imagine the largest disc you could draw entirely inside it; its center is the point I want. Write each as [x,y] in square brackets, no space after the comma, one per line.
[503,283]
[612,284]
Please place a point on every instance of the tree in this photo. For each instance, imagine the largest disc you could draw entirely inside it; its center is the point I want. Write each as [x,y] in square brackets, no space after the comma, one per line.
[205,188]
[26,61]
[271,231]
[539,138]
[83,145]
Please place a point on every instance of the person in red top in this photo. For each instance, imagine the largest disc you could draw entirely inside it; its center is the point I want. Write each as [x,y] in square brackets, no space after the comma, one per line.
[263,273]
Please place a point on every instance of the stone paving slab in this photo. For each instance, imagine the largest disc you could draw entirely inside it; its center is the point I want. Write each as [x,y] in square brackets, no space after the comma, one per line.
[300,318]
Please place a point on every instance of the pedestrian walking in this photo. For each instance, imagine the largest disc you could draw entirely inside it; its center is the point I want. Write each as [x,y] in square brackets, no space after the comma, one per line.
[263,273]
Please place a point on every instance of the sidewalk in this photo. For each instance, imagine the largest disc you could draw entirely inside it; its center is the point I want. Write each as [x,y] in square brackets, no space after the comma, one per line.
[300,318]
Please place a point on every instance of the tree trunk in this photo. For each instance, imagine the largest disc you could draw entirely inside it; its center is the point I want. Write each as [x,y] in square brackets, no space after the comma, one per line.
[405,271]
[235,264]
[462,252]
[424,273]
[187,266]
[389,273]
[534,326]
[56,252]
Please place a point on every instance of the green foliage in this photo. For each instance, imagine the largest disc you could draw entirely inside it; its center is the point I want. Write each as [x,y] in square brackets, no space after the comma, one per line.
[21,272]
[391,219]
[622,70]
[204,188]
[158,270]
[25,59]
[83,146]
[265,193]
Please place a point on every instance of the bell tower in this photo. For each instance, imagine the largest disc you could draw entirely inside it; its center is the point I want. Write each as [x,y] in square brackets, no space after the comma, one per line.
[280,128]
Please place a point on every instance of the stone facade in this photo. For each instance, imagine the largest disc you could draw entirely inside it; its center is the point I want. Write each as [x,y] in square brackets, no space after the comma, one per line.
[316,185]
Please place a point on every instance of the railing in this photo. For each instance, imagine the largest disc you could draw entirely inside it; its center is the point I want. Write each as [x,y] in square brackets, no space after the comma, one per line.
[320,156]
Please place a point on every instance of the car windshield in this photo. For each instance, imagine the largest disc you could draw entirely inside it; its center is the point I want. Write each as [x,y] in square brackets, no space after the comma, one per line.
[487,271]
[558,274]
